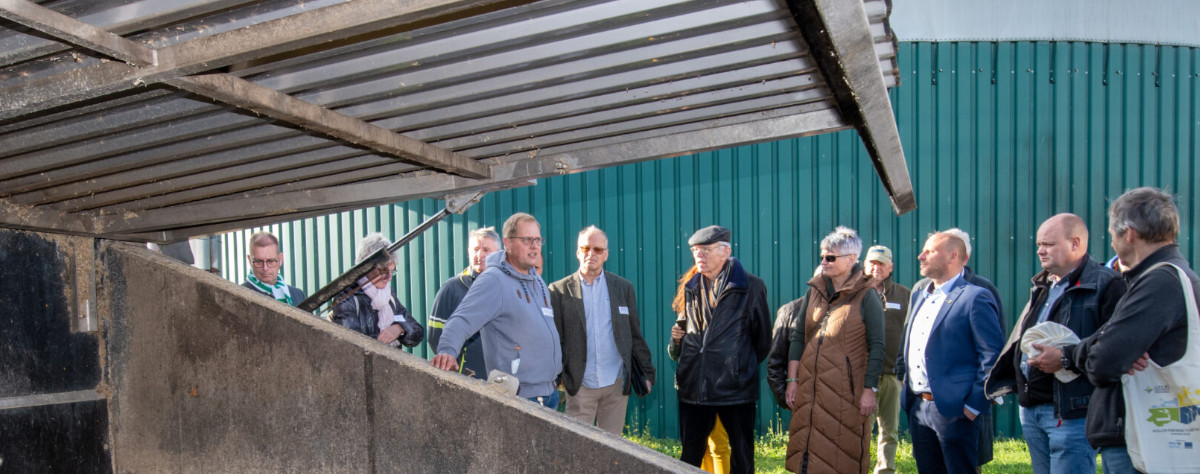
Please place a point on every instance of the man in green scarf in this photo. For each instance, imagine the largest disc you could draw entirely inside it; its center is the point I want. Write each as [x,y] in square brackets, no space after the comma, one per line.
[265,261]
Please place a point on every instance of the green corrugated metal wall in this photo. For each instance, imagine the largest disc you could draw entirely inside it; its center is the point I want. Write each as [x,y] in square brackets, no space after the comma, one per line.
[998,137]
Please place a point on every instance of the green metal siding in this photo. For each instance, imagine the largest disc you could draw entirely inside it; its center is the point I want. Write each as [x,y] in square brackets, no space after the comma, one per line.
[998,137]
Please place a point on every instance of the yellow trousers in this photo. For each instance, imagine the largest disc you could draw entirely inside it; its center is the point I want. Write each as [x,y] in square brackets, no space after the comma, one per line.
[716,459]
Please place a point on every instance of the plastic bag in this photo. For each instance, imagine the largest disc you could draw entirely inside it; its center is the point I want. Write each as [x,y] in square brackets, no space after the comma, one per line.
[1052,334]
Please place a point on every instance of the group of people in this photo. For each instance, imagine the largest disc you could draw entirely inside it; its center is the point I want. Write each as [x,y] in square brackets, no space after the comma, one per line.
[951,361]
[856,348]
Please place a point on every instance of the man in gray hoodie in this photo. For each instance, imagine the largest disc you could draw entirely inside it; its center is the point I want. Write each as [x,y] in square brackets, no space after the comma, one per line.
[509,306]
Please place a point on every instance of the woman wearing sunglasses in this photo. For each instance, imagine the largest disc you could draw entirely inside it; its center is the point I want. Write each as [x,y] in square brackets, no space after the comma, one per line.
[834,363]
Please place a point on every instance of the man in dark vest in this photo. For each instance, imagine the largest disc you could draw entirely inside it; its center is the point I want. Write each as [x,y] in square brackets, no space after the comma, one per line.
[878,265]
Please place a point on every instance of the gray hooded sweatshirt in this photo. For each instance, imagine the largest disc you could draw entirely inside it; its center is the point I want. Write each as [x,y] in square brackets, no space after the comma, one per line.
[511,311]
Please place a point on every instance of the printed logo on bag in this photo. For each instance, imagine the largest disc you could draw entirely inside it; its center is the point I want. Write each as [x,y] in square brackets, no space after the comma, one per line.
[1180,445]
[1183,407]
[1159,389]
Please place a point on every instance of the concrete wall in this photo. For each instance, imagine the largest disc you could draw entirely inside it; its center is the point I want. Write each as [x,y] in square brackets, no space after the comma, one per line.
[208,376]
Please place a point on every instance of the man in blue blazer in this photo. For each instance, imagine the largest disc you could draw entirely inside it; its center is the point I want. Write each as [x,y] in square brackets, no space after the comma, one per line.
[952,336]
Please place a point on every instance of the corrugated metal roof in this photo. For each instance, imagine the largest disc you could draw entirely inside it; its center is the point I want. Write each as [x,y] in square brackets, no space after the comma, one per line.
[221,115]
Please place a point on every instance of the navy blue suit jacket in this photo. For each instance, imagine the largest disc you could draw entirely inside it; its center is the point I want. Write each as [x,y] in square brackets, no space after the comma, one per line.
[962,348]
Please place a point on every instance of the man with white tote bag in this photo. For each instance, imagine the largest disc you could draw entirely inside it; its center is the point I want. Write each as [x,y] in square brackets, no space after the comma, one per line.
[1147,335]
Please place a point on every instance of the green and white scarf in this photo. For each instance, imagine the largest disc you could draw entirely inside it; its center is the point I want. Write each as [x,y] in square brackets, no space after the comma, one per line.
[279,290]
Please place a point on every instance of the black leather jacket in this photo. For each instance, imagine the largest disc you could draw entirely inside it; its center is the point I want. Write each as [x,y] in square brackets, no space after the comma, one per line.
[355,313]
[718,365]
[1087,303]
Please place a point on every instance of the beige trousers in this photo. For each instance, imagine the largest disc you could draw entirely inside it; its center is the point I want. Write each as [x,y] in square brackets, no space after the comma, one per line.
[603,406]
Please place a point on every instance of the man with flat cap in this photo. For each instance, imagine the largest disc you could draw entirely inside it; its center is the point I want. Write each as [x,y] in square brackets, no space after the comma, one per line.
[722,332]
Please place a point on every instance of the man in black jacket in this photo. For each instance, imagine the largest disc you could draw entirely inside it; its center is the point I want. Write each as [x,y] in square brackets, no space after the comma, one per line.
[1149,323]
[481,243]
[721,334]
[1077,292]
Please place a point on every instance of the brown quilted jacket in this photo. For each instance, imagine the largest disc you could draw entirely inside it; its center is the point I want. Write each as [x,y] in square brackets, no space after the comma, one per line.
[827,429]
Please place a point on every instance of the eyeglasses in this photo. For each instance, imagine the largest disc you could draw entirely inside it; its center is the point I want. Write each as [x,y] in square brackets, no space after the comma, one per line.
[530,241]
[705,250]
[587,248]
[833,258]
[271,263]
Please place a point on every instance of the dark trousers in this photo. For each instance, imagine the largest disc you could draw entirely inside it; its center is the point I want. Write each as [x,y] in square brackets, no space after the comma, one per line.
[942,445]
[697,421]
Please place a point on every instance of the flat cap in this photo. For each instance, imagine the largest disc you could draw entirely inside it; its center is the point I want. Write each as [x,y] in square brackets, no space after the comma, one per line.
[710,235]
[879,253]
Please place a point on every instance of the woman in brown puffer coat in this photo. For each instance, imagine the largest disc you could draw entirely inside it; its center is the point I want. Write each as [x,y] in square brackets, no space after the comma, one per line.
[835,359]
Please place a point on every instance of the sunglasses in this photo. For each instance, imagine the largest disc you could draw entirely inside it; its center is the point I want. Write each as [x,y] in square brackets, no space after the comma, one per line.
[832,258]
[588,248]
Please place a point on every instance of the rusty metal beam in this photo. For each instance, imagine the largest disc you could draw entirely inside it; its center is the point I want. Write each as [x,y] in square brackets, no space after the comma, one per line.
[228,214]
[851,70]
[43,219]
[244,94]
[353,18]
[76,32]
[248,95]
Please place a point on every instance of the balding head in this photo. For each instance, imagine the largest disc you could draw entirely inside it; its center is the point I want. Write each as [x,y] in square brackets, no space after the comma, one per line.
[1070,225]
[943,257]
[1062,243]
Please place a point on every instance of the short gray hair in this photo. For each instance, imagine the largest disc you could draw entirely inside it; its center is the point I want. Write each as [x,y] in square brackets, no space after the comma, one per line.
[591,229]
[1149,211]
[962,236]
[843,239]
[485,233]
[370,244]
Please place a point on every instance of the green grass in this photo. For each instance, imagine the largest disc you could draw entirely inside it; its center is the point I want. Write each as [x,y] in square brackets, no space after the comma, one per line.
[1010,455]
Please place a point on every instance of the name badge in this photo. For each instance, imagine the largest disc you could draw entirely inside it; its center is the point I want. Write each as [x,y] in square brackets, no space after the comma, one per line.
[623,309]
[548,312]
[893,305]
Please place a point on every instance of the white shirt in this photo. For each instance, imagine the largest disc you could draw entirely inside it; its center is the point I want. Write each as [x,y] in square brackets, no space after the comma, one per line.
[927,307]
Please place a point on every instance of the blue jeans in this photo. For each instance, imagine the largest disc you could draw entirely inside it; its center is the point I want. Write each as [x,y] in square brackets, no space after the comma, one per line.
[1116,460]
[548,401]
[1054,447]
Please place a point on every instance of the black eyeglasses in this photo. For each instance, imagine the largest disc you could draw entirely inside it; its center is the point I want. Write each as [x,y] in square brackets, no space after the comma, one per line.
[833,258]
[272,263]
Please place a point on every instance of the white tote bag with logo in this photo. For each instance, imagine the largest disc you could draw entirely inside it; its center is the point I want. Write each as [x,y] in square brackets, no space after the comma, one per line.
[1162,404]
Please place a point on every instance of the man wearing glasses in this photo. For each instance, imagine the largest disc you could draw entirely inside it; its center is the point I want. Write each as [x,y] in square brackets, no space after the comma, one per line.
[265,262]
[509,306]
[597,321]
[722,332]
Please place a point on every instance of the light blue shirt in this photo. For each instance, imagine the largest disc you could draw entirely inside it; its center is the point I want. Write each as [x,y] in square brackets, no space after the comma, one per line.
[604,363]
[1056,291]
